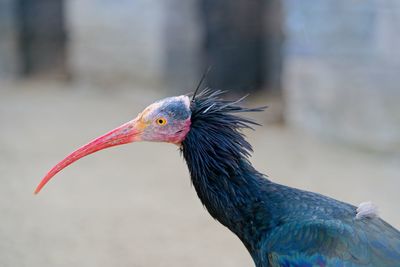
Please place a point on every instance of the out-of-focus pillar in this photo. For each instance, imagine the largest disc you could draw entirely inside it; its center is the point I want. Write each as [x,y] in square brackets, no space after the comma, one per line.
[234,43]
[8,40]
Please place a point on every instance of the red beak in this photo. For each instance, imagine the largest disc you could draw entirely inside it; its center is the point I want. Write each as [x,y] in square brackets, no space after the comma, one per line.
[126,133]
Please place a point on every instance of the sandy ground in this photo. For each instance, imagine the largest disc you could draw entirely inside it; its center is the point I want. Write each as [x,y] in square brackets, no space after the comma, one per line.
[134,205]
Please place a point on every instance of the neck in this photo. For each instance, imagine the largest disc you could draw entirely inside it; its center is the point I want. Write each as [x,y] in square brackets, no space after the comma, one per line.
[225,181]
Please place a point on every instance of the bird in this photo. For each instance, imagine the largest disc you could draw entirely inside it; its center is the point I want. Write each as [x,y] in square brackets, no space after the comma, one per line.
[279,225]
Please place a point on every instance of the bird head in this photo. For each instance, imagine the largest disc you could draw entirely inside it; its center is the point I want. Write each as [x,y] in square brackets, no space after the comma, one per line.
[167,120]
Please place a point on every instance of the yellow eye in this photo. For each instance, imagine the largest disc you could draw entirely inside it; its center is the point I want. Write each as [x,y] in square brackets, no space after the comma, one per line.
[161,121]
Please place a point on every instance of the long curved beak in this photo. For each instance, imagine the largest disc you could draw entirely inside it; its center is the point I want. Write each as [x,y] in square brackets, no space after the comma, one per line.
[126,133]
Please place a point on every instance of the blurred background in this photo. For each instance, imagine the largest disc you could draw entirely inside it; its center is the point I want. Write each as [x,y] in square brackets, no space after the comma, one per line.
[71,70]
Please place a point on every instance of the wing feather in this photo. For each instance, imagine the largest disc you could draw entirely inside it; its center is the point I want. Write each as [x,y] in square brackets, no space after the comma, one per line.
[333,242]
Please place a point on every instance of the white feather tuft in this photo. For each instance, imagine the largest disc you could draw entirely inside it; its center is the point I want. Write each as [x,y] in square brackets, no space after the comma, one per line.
[367,210]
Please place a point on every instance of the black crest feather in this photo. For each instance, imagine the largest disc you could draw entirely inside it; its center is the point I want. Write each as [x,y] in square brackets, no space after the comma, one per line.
[203,77]
[215,144]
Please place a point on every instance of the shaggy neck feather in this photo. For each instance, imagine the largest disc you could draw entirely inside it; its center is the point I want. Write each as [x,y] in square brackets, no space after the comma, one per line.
[217,153]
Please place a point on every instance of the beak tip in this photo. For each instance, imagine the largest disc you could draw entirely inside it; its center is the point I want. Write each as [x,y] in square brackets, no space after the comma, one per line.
[38,189]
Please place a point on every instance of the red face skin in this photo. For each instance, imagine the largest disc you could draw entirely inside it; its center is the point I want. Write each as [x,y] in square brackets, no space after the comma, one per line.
[167,120]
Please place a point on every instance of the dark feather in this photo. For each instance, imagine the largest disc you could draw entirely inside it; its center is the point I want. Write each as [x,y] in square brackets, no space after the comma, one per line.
[279,225]
[201,82]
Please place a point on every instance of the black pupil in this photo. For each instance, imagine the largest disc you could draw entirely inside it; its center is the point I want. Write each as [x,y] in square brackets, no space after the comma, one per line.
[161,121]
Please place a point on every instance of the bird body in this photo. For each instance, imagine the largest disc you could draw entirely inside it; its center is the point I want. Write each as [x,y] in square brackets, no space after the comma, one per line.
[279,225]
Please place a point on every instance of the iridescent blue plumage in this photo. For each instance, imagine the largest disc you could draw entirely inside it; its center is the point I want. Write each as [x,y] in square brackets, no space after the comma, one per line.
[279,225]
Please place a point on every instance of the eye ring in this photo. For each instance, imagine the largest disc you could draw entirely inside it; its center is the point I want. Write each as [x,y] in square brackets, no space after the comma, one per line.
[161,121]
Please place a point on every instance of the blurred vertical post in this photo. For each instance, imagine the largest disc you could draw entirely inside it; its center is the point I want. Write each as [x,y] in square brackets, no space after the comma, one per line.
[8,40]
[243,44]
[42,37]
[273,45]
[233,43]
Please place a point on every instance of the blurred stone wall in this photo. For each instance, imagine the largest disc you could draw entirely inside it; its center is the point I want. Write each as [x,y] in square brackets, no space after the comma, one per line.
[131,41]
[8,40]
[101,43]
[161,43]
[341,69]
[169,43]
[342,76]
